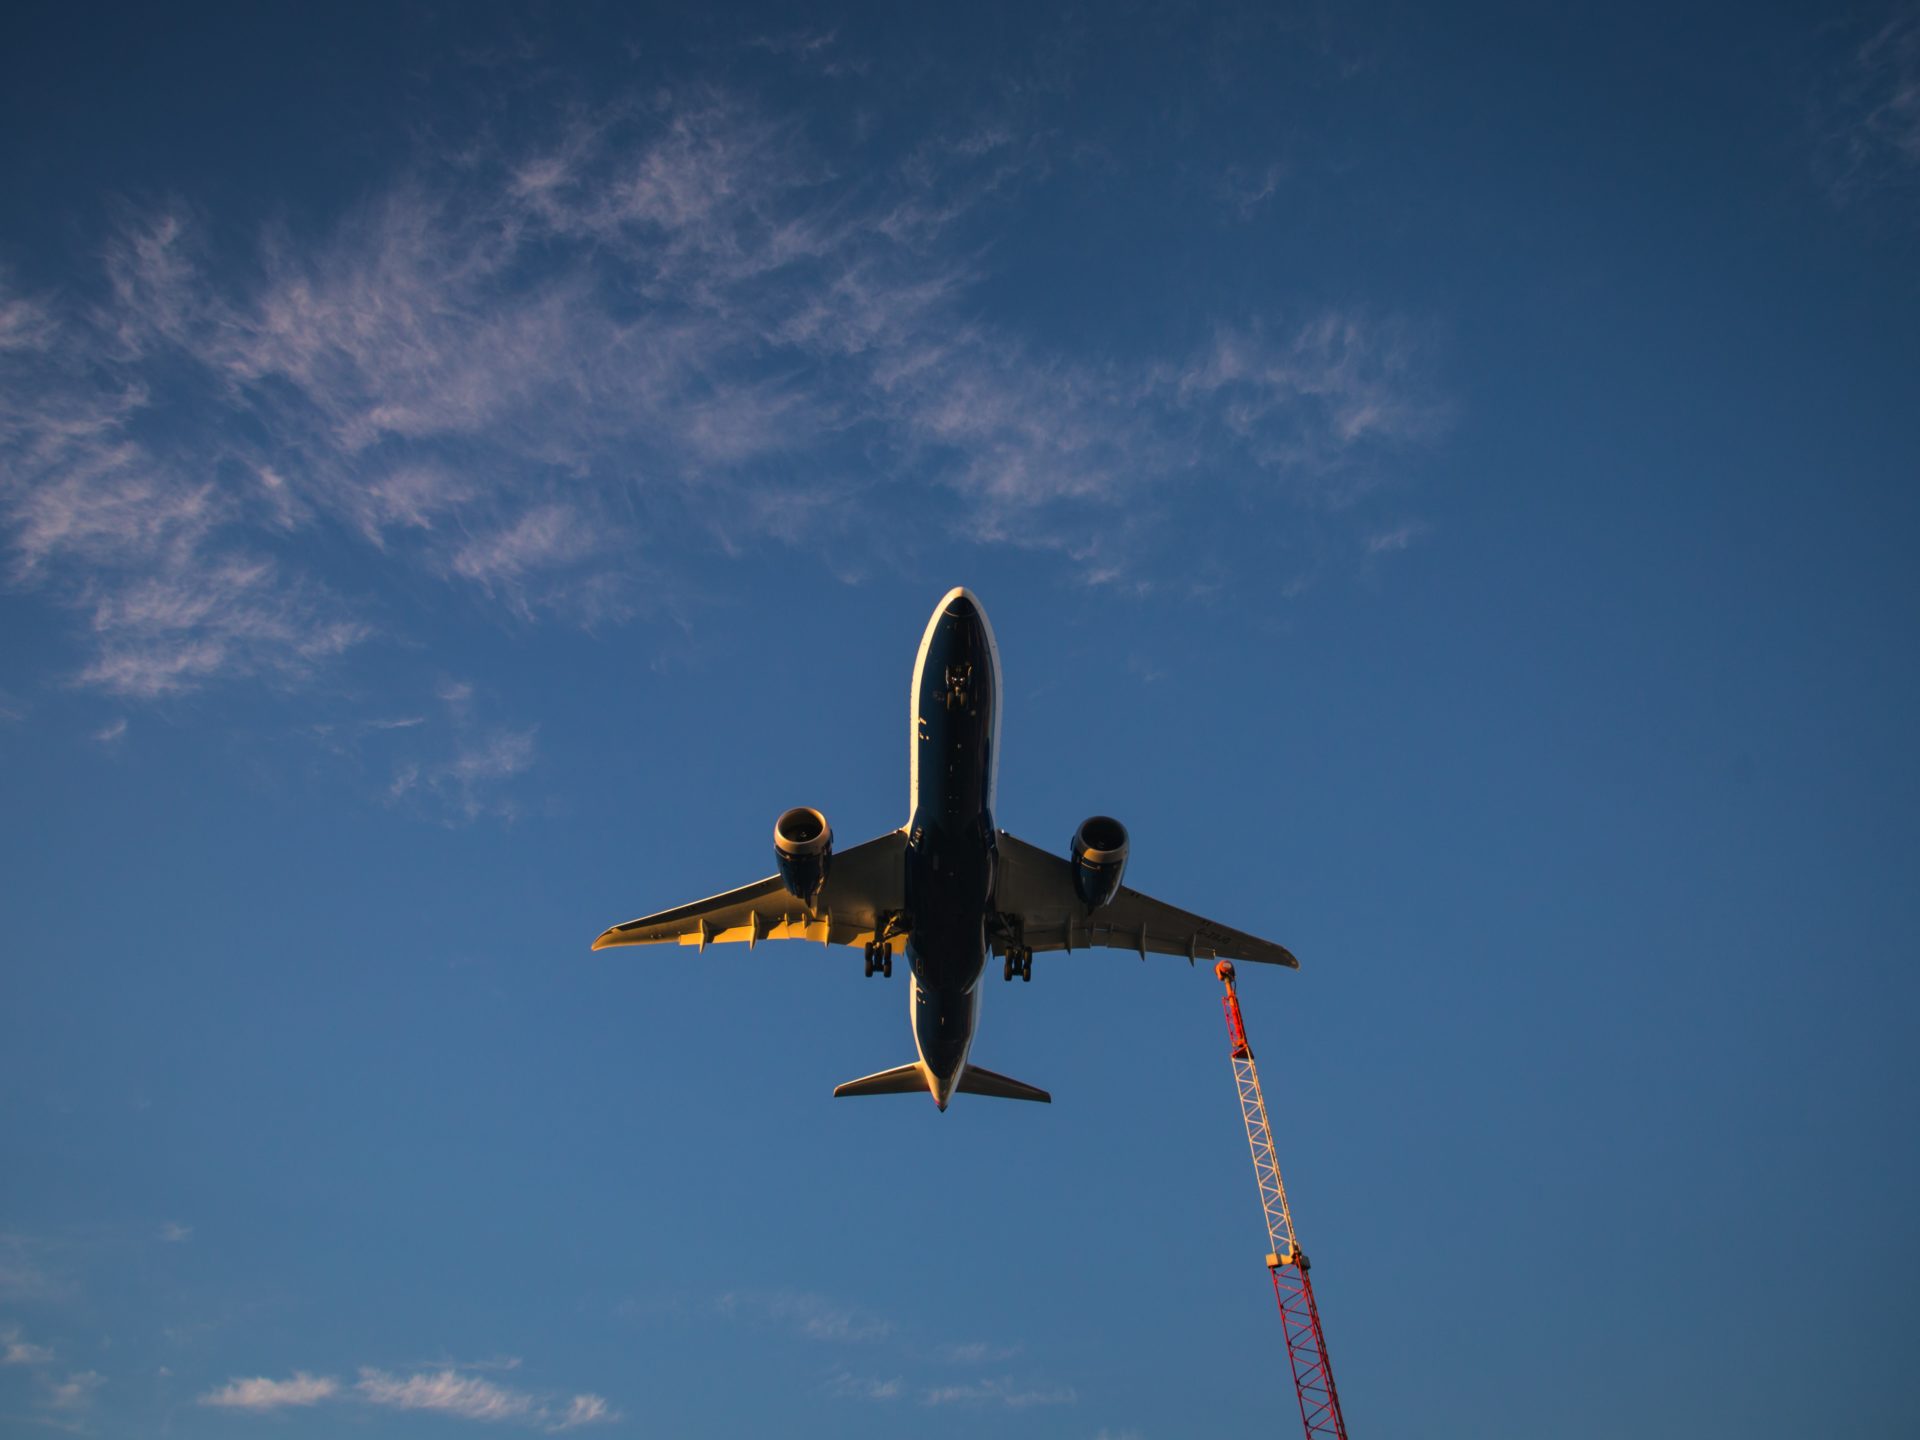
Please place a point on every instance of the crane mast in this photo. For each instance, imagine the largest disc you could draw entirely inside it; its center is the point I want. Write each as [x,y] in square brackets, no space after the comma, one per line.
[1286,1261]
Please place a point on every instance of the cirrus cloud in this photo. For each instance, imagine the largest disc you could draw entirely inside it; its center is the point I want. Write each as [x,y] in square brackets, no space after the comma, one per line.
[261,1393]
[509,369]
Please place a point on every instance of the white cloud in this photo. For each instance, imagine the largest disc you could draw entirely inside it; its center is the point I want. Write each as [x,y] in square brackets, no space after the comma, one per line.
[866,1387]
[469,784]
[26,1271]
[26,324]
[174,1233]
[442,1390]
[446,1392]
[1245,190]
[542,540]
[112,732]
[585,1410]
[261,1394]
[510,370]
[999,1392]
[16,1351]
[455,770]
[1399,537]
[493,1363]
[814,51]
[977,1352]
[1871,113]
[76,1392]
[816,1317]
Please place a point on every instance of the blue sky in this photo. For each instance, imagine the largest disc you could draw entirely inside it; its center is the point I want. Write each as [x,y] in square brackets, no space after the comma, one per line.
[1446,482]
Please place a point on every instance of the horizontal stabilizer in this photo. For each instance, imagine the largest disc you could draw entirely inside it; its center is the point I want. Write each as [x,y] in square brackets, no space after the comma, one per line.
[901,1080]
[975,1081]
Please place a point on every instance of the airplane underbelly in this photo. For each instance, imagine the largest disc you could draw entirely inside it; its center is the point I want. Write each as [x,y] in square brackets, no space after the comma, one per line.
[951,846]
[943,1019]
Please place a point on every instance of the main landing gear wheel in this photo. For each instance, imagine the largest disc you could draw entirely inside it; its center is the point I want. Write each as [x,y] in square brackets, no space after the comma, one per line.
[1018,962]
[1026,964]
[879,957]
[869,960]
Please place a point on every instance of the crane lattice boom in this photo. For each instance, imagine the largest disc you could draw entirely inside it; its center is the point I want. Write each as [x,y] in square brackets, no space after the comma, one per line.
[1286,1261]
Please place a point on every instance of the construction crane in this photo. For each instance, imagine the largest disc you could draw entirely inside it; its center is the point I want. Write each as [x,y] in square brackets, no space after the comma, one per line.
[1286,1261]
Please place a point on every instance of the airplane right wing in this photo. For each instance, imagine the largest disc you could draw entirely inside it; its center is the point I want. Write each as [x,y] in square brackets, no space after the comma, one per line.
[865,889]
[1036,893]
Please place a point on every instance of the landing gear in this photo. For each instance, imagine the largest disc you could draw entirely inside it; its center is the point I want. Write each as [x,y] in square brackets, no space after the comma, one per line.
[1019,962]
[879,956]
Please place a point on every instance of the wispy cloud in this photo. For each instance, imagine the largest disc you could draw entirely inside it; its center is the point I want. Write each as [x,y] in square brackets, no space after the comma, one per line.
[261,1393]
[1398,537]
[471,1397]
[865,1387]
[456,768]
[495,1363]
[977,1352]
[28,1269]
[814,1316]
[818,52]
[584,1410]
[174,1233]
[15,1350]
[1246,189]
[446,1392]
[1003,1391]
[468,785]
[75,1393]
[1869,112]
[510,369]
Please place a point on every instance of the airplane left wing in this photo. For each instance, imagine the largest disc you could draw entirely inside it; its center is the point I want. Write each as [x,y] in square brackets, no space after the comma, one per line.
[866,887]
[1036,894]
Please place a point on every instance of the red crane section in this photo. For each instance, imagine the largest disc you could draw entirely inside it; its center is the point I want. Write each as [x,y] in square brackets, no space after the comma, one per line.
[1286,1261]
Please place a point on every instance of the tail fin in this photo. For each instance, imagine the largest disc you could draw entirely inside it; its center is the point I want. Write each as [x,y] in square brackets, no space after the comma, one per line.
[975,1081]
[901,1080]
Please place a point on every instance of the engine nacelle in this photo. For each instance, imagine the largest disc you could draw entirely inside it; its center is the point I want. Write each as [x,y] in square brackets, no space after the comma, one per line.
[803,848]
[1099,856]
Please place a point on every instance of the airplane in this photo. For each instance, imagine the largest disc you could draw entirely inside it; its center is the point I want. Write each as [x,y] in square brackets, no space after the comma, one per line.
[948,887]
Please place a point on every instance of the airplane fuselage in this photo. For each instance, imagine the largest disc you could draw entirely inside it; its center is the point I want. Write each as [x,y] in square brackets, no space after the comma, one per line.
[951,851]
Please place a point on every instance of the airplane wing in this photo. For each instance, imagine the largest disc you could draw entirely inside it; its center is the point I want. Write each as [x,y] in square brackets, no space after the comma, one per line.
[1036,892]
[865,887]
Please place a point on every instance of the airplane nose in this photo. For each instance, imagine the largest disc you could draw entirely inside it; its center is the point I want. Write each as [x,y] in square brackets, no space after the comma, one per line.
[961,607]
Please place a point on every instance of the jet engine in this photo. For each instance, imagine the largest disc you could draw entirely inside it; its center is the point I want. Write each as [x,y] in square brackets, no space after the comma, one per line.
[1099,855]
[803,848]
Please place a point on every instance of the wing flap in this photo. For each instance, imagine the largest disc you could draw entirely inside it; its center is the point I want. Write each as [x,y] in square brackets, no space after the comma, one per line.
[865,890]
